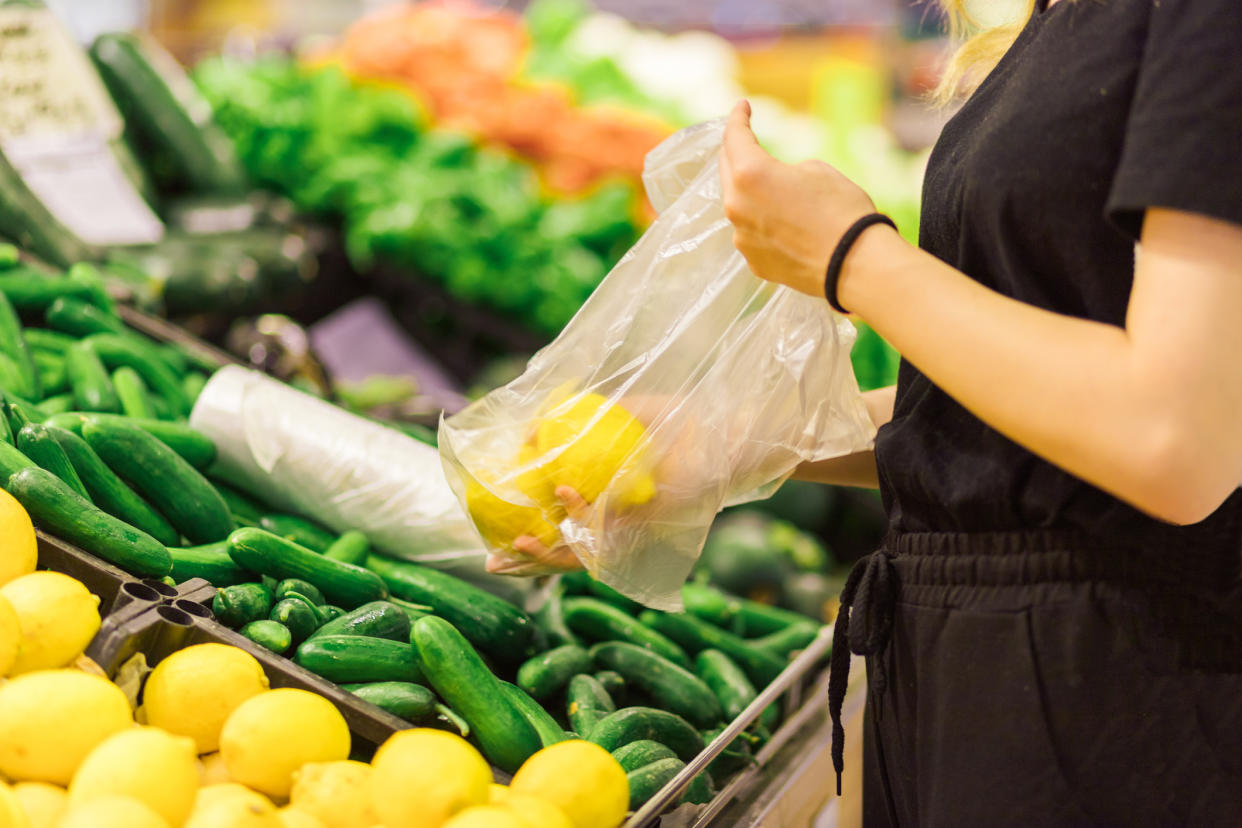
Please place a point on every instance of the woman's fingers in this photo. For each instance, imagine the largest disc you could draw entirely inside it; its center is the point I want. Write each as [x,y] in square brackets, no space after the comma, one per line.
[574,503]
[559,557]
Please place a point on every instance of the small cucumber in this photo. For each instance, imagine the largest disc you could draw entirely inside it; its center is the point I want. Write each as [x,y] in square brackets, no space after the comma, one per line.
[51,342]
[195,448]
[550,619]
[12,461]
[244,510]
[546,674]
[465,683]
[172,485]
[35,441]
[299,530]
[549,731]
[700,791]
[116,351]
[6,430]
[412,611]
[57,403]
[92,387]
[236,606]
[305,588]
[696,634]
[210,562]
[669,685]
[649,779]
[272,635]
[614,683]
[344,584]
[31,292]
[736,755]
[631,724]
[359,658]
[193,384]
[72,315]
[754,619]
[55,506]
[783,642]
[351,547]
[587,703]
[53,378]
[600,621]
[730,684]
[132,393]
[380,619]
[412,702]
[13,344]
[710,604]
[329,613]
[296,614]
[639,754]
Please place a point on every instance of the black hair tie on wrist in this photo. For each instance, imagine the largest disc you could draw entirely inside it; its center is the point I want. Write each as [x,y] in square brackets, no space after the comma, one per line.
[833,275]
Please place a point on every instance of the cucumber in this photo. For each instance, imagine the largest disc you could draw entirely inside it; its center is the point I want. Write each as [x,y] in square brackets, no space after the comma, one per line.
[614,683]
[171,484]
[92,387]
[36,441]
[549,731]
[412,611]
[116,351]
[10,256]
[236,606]
[736,755]
[299,530]
[193,384]
[380,619]
[783,642]
[672,687]
[297,615]
[245,511]
[32,292]
[581,583]
[492,624]
[649,779]
[28,222]
[359,658]
[410,701]
[271,635]
[695,634]
[329,613]
[344,584]
[600,621]
[195,448]
[210,562]
[730,684]
[112,495]
[53,378]
[305,588]
[546,674]
[56,404]
[631,724]
[13,343]
[710,604]
[351,547]
[55,506]
[700,791]
[639,754]
[49,342]
[132,394]
[80,318]
[465,683]
[12,461]
[6,430]
[550,619]
[587,703]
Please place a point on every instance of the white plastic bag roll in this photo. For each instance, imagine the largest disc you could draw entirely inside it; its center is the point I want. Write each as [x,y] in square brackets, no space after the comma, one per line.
[306,456]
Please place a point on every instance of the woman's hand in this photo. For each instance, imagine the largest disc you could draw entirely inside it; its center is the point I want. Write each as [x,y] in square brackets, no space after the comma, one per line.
[787,218]
[540,560]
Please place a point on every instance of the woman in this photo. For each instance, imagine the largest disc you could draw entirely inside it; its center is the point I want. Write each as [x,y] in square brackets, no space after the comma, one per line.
[1053,625]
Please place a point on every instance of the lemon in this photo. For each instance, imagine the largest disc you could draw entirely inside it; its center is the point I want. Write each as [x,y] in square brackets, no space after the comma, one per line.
[496,793]
[12,812]
[591,441]
[19,549]
[111,812]
[212,769]
[580,778]
[193,691]
[147,763]
[211,794]
[500,521]
[50,720]
[421,777]
[234,812]
[291,817]
[486,816]
[10,635]
[58,618]
[43,803]
[338,793]
[538,813]
[271,735]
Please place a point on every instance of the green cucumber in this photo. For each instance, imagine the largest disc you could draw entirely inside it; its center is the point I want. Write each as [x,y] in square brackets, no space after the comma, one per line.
[410,701]
[55,506]
[112,494]
[754,619]
[301,531]
[351,547]
[600,621]
[709,603]
[344,584]
[546,674]
[359,658]
[195,448]
[329,613]
[132,394]
[236,606]
[269,634]
[80,318]
[549,731]
[10,256]
[412,611]
[700,791]
[48,342]
[672,687]
[614,683]
[55,404]
[631,724]
[581,583]
[296,614]
[6,430]
[92,387]
[53,377]
[465,683]
[193,384]
[730,684]
[171,484]
[647,781]
[736,755]
[12,461]
[116,351]
[550,619]
[586,703]
[380,619]
[31,292]
[38,443]
[13,344]
[245,511]
[783,642]
[305,588]
[210,562]
[492,624]
[639,754]
[696,634]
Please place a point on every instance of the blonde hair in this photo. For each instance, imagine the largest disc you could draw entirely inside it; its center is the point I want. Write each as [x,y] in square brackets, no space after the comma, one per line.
[980,50]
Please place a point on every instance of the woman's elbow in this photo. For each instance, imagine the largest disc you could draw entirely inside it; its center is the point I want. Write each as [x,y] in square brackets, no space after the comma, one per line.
[1186,476]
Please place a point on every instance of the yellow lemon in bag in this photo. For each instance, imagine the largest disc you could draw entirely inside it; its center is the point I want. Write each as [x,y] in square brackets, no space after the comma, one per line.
[500,521]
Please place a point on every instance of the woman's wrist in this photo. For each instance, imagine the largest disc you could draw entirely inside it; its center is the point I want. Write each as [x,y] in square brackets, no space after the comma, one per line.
[864,273]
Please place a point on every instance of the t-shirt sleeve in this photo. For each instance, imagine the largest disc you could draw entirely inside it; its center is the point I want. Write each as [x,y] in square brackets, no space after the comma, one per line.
[1183,141]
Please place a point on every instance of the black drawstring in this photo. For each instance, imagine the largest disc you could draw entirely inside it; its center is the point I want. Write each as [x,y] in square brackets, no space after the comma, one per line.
[870,591]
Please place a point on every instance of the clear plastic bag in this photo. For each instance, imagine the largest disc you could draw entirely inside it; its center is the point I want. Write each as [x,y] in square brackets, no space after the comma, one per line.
[683,385]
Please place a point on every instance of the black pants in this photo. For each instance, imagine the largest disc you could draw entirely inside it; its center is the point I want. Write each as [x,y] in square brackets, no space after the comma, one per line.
[1031,682]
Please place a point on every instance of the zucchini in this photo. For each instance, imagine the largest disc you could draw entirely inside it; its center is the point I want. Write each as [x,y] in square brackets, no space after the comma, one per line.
[587,703]
[298,615]
[55,506]
[631,724]
[465,683]
[195,448]
[600,621]
[639,754]
[614,683]
[695,634]
[210,562]
[672,687]
[546,674]
[649,779]
[131,393]
[172,485]
[351,547]
[116,351]
[36,442]
[783,642]
[410,701]
[304,588]
[341,583]
[271,635]
[492,624]
[112,495]
[92,387]
[730,684]
[359,658]
[550,619]
[549,731]
[236,606]
[13,344]
[80,318]
[379,619]
[301,531]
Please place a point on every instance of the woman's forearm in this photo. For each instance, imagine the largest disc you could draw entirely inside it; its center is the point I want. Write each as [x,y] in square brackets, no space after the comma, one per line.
[854,469]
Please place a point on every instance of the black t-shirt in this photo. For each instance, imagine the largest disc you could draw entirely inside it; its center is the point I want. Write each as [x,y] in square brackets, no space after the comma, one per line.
[1037,189]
